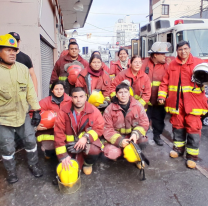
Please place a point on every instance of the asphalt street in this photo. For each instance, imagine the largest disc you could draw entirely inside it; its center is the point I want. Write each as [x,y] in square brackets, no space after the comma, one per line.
[168,181]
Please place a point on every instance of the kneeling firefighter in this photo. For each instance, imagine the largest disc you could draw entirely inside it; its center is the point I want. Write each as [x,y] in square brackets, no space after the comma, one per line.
[125,121]
[94,77]
[77,130]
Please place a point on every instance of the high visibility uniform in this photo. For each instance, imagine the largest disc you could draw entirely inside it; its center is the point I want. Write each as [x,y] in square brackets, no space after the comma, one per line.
[68,129]
[101,83]
[16,94]
[46,137]
[60,73]
[117,127]
[155,112]
[116,68]
[140,84]
[186,102]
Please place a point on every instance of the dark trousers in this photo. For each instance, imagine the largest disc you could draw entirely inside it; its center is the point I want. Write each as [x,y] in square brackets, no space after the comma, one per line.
[157,115]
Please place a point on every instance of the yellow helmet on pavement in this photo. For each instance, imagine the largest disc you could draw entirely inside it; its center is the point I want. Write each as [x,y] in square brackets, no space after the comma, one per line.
[8,40]
[96,98]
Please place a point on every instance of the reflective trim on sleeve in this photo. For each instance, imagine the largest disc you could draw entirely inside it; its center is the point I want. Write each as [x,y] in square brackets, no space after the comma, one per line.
[149,103]
[61,150]
[192,90]
[137,97]
[142,101]
[112,76]
[179,144]
[199,111]
[113,94]
[45,137]
[114,138]
[192,151]
[70,138]
[124,130]
[140,129]
[107,98]
[171,110]
[93,134]
[162,94]
[172,88]
[155,83]
[62,78]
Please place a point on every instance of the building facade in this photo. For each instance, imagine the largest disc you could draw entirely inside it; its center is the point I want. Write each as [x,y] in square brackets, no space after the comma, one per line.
[41,25]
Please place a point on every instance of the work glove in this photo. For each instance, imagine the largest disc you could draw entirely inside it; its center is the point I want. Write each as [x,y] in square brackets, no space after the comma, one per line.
[70,148]
[36,118]
[104,105]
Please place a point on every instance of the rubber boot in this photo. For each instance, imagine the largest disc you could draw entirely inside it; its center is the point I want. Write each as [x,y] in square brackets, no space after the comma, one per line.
[12,176]
[87,169]
[174,154]
[36,170]
[158,140]
[191,164]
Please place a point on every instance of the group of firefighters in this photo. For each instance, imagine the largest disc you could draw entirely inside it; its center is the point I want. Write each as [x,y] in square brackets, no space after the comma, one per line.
[100,109]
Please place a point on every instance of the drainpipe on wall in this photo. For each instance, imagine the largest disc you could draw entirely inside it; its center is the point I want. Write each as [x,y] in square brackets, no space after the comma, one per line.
[40,12]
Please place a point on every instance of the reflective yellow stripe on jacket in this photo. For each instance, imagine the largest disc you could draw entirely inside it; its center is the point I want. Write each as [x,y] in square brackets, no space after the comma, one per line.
[155,84]
[60,150]
[140,129]
[114,138]
[124,131]
[113,94]
[93,134]
[186,89]
[70,138]
[192,151]
[171,110]
[45,137]
[199,111]
[140,99]
[62,78]
[162,94]
[179,144]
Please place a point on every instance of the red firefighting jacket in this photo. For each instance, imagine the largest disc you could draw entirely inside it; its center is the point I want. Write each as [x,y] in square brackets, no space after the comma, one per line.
[116,68]
[59,73]
[194,99]
[116,125]
[102,83]
[64,53]
[47,104]
[105,67]
[155,73]
[140,84]
[91,122]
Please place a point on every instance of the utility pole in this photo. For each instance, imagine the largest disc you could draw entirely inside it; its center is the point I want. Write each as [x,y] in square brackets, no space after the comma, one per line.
[201,9]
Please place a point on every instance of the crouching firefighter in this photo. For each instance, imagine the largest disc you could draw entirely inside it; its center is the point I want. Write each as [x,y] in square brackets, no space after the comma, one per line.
[125,121]
[77,130]
[16,92]
[186,101]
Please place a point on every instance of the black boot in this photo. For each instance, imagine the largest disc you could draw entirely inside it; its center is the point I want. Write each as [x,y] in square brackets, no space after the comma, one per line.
[158,140]
[36,170]
[12,177]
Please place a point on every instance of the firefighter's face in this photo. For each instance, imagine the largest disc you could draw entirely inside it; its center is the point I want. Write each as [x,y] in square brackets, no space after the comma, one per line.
[96,64]
[123,55]
[160,58]
[8,55]
[73,50]
[184,51]
[123,96]
[79,99]
[136,64]
[58,90]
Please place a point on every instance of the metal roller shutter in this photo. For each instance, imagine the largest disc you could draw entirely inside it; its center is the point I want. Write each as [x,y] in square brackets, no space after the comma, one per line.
[46,66]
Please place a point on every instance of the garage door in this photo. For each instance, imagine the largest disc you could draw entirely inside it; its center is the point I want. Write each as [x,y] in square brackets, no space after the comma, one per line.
[46,66]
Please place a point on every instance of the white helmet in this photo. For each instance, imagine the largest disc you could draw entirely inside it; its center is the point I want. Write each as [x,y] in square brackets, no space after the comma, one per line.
[160,47]
[200,74]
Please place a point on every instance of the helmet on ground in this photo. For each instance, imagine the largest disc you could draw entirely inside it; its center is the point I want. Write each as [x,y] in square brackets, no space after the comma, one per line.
[160,48]
[8,40]
[73,72]
[96,98]
[200,74]
[68,177]
[48,118]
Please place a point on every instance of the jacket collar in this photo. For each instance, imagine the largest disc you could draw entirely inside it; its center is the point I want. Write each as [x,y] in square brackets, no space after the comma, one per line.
[67,98]
[68,58]
[189,61]
[130,74]
[119,63]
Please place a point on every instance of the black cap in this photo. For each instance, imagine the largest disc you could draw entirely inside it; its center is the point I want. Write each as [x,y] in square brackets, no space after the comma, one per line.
[15,35]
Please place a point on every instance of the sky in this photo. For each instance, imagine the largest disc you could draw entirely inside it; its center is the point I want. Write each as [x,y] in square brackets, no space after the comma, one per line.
[104,14]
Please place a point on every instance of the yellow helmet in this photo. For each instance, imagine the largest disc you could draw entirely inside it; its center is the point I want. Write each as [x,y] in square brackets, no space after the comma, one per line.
[130,154]
[131,91]
[8,40]
[96,98]
[68,177]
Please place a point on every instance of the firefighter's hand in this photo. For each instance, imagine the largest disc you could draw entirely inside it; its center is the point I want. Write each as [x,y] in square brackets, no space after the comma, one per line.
[66,162]
[124,143]
[81,143]
[161,101]
[133,137]
[41,127]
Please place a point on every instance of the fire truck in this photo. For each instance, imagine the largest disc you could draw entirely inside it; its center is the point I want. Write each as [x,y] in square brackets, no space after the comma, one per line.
[173,30]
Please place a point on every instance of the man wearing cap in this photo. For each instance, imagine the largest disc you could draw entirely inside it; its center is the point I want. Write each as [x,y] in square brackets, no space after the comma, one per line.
[125,121]
[25,59]
[155,68]
[16,92]
[65,52]
[60,69]
[186,101]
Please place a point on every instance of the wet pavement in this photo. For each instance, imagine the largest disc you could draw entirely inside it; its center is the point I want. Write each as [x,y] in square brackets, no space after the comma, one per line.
[168,181]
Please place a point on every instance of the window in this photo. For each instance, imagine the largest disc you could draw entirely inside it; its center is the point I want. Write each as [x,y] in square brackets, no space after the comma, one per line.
[165,9]
[151,41]
[170,40]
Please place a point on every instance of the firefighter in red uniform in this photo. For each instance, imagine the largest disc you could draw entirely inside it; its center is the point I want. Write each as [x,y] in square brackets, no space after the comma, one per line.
[54,102]
[60,69]
[125,120]
[95,77]
[139,81]
[104,66]
[79,125]
[186,102]
[65,52]
[120,65]
[155,68]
